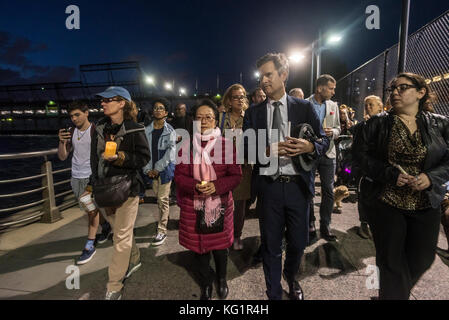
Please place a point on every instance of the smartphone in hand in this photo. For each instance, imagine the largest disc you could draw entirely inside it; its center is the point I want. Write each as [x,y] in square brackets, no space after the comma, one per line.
[64,134]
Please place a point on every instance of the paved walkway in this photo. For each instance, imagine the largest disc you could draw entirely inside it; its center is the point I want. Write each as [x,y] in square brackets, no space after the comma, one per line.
[34,259]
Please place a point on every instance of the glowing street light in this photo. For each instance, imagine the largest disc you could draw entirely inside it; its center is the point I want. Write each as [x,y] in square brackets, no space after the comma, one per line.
[149,80]
[182,91]
[256,74]
[334,39]
[168,86]
[297,57]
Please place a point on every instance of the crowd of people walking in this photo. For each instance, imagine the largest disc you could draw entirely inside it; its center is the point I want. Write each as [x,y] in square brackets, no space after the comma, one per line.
[400,158]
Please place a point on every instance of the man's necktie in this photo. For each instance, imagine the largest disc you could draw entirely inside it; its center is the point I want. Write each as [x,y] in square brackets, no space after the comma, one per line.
[277,120]
[277,124]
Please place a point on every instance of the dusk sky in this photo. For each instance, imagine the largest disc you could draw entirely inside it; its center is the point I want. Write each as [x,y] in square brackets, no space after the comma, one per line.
[188,40]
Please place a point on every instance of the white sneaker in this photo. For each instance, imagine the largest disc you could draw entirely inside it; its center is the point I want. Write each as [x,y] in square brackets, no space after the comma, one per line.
[113,295]
[132,269]
[159,239]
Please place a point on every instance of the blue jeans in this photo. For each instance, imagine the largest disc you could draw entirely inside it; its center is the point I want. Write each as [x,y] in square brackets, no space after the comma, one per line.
[326,170]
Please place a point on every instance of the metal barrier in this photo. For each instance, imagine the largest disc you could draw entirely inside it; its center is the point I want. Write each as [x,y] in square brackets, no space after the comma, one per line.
[427,55]
[49,212]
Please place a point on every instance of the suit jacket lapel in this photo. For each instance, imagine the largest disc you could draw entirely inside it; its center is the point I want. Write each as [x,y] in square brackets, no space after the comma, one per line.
[262,118]
[289,109]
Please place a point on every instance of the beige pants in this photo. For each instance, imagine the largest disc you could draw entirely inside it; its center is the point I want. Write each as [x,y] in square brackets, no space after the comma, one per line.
[162,192]
[125,250]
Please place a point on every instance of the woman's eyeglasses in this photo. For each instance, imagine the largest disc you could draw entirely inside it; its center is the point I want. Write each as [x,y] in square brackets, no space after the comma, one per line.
[107,100]
[237,98]
[207,118]
[401,88]
[160,108]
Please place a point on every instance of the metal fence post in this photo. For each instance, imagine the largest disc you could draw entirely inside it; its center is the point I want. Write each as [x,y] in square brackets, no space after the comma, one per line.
[51,211]
[403,36]
[384,82]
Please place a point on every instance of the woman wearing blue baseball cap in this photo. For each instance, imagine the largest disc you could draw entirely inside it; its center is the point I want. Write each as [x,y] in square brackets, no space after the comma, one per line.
[119,168]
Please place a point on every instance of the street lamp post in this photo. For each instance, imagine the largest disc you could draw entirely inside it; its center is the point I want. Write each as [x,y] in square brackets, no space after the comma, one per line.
[312,66]
[317,49]
[318,55]
[403,36]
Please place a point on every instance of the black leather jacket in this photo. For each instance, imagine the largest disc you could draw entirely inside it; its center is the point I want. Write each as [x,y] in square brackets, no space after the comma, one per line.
[370,150]
[132,143]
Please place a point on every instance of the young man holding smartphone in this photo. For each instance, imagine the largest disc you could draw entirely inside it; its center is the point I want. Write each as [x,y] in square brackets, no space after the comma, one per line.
[77,139]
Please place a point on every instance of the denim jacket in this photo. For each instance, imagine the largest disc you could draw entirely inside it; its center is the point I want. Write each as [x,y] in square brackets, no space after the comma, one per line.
[166,150]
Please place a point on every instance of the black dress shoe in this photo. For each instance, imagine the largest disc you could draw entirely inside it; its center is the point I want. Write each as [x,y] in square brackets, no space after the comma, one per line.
[257,258]
[294,289]
[222,289]
[206,292]
[326,233]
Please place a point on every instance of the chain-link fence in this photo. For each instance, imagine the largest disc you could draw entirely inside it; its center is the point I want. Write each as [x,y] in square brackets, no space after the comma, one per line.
[427,55]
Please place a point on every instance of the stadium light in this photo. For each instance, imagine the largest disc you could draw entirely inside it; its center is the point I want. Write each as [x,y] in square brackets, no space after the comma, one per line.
[149,80]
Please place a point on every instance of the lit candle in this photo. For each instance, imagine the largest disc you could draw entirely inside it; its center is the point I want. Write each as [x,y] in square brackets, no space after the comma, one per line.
[111,148]
[289,129]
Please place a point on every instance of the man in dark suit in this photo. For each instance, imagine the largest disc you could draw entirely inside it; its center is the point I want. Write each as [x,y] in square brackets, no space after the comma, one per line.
[283,197]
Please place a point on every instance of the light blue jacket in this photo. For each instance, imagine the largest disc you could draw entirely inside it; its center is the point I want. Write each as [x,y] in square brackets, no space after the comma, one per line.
[166,150]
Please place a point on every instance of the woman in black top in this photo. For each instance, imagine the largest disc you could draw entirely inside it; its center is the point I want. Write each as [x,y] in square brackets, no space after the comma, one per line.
[119,125]
[404,155]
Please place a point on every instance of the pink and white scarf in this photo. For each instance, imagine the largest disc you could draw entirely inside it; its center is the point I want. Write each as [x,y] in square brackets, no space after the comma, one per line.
[204,171]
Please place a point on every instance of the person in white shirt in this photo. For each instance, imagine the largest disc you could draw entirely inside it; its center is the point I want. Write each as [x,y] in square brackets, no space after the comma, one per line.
[328,113]
[77,140]
[283,194]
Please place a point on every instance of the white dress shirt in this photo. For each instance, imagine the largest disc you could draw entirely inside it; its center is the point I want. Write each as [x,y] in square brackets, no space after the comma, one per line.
[286,166]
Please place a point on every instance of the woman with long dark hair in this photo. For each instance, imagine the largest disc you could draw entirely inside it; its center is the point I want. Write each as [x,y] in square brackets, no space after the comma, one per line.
[132,153]
[404,155]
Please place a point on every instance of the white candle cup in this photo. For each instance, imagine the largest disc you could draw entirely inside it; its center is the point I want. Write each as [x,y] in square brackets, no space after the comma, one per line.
[88,202]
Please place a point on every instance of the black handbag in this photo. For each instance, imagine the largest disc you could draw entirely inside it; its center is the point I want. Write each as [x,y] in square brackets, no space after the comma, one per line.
[216,227]
[111,191]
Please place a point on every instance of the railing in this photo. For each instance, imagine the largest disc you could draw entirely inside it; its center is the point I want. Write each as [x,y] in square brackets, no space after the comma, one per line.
[48,212]
[427,55]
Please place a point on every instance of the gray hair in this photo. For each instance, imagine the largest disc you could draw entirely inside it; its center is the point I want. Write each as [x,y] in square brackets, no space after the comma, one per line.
[295,90]
[279,59]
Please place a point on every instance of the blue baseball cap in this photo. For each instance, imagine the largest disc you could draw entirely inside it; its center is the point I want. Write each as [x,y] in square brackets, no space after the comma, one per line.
[114,92]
